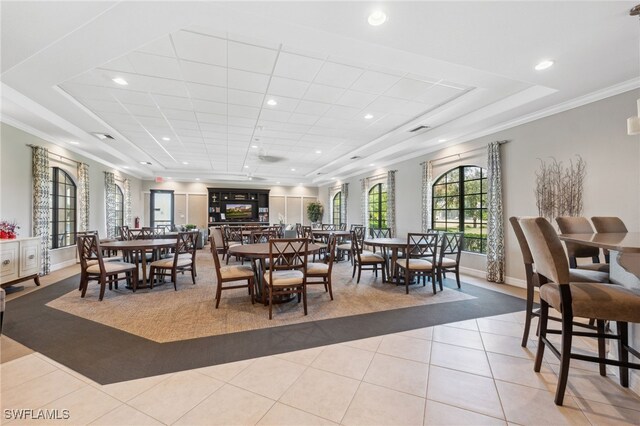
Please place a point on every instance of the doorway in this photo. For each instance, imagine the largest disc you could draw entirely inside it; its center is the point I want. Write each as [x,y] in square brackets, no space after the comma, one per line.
[161,206]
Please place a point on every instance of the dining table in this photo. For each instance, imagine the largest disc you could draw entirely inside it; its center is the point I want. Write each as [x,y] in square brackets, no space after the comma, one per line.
[135,251]
[392,244]
[258,253]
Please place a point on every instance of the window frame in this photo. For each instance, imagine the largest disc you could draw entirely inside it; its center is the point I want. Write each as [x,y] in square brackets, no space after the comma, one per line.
[382,213]
[55,208]
[461,208]
[337,197]
[119,212]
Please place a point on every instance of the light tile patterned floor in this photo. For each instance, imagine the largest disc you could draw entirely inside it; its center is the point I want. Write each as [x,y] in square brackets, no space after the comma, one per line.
[471,372]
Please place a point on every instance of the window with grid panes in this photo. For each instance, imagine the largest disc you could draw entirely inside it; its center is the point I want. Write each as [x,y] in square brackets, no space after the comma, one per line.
[62,227]
[377,201]
[336,206]
[459,205]
[119,208]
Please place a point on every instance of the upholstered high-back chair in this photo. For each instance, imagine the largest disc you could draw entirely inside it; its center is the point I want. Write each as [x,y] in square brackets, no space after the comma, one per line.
[580,225]
[577,299]
[287,272]
[226,274]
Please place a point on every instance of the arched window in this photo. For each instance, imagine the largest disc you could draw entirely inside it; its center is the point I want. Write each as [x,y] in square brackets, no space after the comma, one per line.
[336,208]
[119,208]
[378,206]
[62,228]
[459,205]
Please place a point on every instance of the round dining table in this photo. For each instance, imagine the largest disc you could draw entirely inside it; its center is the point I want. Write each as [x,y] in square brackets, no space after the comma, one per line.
[135,249]
[393,244]
[258,253]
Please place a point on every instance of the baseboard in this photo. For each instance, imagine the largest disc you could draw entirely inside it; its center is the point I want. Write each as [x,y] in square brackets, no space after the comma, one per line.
[62,265]
[516,282]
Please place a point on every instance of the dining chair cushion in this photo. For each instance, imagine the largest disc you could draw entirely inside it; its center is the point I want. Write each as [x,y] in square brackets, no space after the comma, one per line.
[317,268]
[587,276]
[111,267]
[600,301]
[345,246]
[448,262]
[600,267]
[367,256]
[415,264]
[168,263]
[234,243]
[236,271]
[285,278]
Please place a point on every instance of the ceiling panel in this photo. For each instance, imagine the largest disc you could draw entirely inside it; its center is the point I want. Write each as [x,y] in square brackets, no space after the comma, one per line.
[375,82]
[203,73]
[251,58]
[297,67]
[200,48]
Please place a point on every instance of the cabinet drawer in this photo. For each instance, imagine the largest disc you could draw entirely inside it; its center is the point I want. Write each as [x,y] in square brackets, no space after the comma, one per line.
[9,261]
[29,258]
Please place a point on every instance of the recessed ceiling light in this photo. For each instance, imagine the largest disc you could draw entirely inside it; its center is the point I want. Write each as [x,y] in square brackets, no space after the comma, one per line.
[372,164]
[250,178]
[377,18]
[246,167]
[544,65]
[166,138]
[293,170]
[74,142]
[169,177]
[318,151]
[145,163]
[300,183]
[333,178]
[254,146]
[126,167]
[278,183]
[368,117]
[197,178]
[185,162]
[272,102]
[121,81]
[442,140]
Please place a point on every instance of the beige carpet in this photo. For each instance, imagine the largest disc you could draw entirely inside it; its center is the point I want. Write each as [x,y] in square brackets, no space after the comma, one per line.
[165,315]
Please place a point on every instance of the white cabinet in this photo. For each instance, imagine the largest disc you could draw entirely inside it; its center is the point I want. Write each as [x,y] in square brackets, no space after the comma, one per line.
[19,260]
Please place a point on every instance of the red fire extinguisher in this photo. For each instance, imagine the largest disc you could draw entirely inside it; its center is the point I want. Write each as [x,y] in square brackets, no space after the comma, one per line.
[136,222]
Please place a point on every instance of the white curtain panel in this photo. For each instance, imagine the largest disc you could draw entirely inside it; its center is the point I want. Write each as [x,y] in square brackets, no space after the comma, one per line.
[363,202]
[344,189]
[427,199]
[83,197]
[391,201]
[110,202]
[495,229]
[41,173]
[127,202]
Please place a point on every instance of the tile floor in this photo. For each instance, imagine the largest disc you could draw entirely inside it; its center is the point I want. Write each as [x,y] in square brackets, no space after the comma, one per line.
[471,372]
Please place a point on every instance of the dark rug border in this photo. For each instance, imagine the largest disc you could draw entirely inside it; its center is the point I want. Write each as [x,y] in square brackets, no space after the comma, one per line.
[109,355]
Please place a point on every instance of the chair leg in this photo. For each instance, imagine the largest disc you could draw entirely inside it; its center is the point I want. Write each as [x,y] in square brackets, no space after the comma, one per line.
[623,353]
[542,326]
[103,284]
[458,276]
[304,298]
[152,277]
[329,285]
[434,284]
[250,280]
[193,274]
[601,347]
[270,302]
[565,356]
[218,294]
[359,272]
[174,278]
[527,320]
[354,271]
[407,278]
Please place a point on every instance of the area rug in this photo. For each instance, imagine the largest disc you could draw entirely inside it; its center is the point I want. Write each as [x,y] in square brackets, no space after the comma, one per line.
[164,315]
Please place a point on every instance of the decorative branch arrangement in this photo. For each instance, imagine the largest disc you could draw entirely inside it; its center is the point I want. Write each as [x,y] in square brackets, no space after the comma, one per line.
[559,188]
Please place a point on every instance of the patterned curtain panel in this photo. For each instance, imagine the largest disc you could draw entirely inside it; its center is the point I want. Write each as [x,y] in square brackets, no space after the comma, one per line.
[391,201]
[127,202]
[363,201]
[110,190]
[344,189]
[495,230]
[83,196]
[427,199]
[41,203]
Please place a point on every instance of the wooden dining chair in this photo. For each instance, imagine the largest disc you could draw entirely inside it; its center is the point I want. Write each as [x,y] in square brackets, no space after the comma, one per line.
[580,225]
[320,273]
[608,224]
[605,302]
[364,259]
[230,273]
[94,268]
[379,233]
[346,246]
[184,260]
[287,273]
[233,237]
[420,260]
[328,227]
[216,235]
[450,244]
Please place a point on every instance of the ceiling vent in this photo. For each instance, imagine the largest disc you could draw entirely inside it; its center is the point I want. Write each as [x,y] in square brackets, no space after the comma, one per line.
[262,156]
[320,173]
[355,157]
[417,129]
[103,136]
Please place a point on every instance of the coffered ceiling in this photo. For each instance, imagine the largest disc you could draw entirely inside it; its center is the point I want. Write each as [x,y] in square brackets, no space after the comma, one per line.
[295,92]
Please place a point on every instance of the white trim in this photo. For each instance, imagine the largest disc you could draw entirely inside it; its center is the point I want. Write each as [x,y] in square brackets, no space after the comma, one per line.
[62,265]
[479,273]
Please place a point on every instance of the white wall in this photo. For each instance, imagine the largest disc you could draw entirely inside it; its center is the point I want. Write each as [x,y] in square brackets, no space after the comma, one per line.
[288,201]
[596,131]
[16,185]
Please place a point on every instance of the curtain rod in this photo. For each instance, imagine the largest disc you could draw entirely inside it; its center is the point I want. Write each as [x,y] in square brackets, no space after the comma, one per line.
[464,152]
[379,176]
[53,156]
